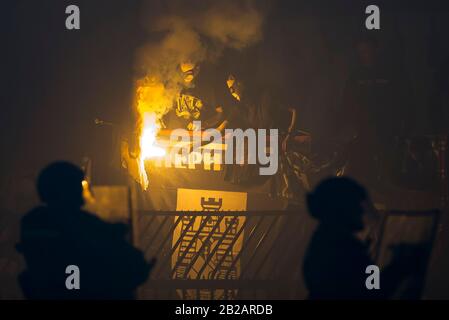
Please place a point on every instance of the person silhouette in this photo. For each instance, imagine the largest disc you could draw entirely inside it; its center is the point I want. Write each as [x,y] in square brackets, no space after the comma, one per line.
[336,260]
[60,234]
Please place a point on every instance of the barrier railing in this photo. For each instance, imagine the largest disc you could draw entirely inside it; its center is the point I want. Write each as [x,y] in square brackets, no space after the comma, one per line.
[220,254]
[251,254]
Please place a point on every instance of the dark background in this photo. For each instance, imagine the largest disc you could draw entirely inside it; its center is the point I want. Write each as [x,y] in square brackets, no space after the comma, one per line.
[55,82]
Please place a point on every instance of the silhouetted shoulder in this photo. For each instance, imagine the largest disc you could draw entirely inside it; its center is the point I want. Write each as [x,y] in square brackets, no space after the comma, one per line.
[36,215]
[334,267]
[38,223]
[118,230]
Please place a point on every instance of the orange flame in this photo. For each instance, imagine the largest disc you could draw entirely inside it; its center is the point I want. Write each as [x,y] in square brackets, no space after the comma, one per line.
[148,147]
[152,101]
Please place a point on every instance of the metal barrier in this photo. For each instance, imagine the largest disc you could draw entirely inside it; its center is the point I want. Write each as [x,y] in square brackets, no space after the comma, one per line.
[251,255]
[417,230]
[222,254]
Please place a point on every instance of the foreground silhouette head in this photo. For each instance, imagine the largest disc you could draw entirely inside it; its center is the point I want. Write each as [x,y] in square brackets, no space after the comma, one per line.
[338,202]
[60,185]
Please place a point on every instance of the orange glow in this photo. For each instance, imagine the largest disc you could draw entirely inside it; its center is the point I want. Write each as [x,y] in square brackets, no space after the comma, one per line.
[152,102]
[148,139]
[148,147]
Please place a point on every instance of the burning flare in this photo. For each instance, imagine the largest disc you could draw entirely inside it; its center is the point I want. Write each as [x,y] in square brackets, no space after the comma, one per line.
[148,138]
[151,105]
[147,144]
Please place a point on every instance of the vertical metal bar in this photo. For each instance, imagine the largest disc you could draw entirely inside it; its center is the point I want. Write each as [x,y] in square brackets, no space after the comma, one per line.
[259,244]
[233,243]
[170,232]
[147,226]
[381,236]
[155,234]
[192,241]
[289,246]
[267,254]
[203,246]
[427,257]
[243,248]
[133,220]
[234,220]
[170,253]
[134,217]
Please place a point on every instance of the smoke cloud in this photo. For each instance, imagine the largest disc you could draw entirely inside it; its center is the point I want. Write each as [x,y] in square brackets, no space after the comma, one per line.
[189,31]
